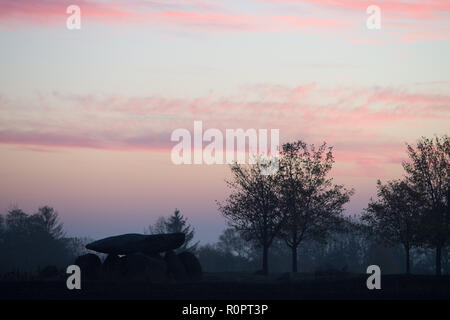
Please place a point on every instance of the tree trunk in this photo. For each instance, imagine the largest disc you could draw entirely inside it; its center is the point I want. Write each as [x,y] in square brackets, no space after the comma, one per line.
[408,266]
[265,259]
[445,261]
[294,258]
[438,260]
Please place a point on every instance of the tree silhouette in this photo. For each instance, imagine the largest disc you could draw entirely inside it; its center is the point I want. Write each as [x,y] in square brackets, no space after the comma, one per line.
[428,173]
[311,204]
[158,227]
[28,242]
[252,206]
[47,219]
[2,226]
[174,224]
[178,223]
[395,216]
[17,221]
[230,241]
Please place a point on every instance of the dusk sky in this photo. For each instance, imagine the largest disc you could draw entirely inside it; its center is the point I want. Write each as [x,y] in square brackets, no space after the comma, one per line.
[86,115]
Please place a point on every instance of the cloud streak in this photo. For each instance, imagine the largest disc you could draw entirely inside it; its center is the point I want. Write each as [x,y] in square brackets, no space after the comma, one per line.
[368,126]
[405,21]
[188,13]
[404,9]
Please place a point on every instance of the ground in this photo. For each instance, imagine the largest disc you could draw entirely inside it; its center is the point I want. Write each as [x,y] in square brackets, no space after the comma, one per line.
[237,286]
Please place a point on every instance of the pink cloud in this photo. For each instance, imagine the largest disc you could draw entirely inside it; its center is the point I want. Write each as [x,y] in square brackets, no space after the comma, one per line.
[367,126]
[403,21]
[61,140]
[34,138]
[421,10]
[49,12]
[418,36]
[311,23]
[187,13]
[368,106]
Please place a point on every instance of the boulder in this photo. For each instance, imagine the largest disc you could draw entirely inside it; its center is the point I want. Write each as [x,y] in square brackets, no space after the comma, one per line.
[113,267]
[138,266]
[133,243]
[191,264]
[90,266]
[175,267]
[158,270]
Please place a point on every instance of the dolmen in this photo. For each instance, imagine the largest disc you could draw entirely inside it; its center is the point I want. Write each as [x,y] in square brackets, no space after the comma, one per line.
[140,257]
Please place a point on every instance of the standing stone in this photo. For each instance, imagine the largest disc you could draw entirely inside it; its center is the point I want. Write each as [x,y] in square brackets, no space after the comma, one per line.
[138,266]
[191,264]
[158,270]
[113,267]
[90,266]
[175,267]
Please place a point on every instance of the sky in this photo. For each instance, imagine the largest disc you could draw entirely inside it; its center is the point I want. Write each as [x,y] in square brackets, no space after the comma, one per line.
[86,115]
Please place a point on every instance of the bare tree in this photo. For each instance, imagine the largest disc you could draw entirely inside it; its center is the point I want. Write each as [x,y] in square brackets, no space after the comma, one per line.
[252,206]
[311,204]
[158,227]
[394,218]
[428,172]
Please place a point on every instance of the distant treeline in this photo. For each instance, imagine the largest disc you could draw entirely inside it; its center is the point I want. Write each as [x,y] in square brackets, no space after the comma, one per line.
[30,242]
[347,251]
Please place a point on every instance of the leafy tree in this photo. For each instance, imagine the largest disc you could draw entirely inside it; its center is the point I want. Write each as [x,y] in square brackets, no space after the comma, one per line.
[394,216]
[310,202]
[252,206]
[428,173]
